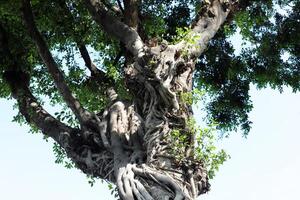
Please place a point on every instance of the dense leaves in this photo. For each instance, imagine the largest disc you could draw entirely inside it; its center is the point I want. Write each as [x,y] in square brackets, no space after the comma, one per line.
[268,56]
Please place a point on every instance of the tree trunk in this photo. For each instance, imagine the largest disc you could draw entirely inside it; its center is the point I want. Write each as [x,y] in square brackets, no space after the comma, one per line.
[145,161]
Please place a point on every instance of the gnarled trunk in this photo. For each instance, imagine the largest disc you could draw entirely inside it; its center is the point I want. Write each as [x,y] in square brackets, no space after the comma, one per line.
[145,162]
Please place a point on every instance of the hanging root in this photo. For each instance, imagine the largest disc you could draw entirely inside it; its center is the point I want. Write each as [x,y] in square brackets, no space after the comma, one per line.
[130,187]
[143,183]
[163,180]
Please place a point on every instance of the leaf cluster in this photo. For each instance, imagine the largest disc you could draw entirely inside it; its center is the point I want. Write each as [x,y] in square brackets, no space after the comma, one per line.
[205,149]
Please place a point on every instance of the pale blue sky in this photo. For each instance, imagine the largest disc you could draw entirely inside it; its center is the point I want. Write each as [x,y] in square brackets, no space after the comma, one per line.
[264,166]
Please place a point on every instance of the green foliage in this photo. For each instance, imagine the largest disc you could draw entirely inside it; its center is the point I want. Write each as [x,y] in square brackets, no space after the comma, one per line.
[154,28]
[269,56]
[19,118]
[179,142]
[205,149]
[61,156]
[111,187]
[193,97]
[187,36]
[66,115]
[207,152]
[91,180]
[113,190]
[4,90]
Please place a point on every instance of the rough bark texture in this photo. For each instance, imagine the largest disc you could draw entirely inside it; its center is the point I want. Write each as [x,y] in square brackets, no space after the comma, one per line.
[130,143]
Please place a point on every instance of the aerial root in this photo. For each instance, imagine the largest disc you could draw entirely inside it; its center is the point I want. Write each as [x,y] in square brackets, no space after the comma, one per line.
[163,179]
[130,187]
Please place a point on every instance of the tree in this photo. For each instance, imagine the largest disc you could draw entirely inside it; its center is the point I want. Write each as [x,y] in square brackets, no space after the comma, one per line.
[127,118]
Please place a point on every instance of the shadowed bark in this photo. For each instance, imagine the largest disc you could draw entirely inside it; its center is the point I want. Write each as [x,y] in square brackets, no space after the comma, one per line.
[116,28]
[131,13]
[208,22]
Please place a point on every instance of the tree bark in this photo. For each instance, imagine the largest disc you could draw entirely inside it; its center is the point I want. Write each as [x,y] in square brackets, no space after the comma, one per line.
[150,170]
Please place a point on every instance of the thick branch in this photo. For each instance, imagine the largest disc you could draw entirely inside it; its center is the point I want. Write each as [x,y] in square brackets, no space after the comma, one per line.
[53,69]
[116,28]
[28,105]
[209,21]
[34,113]
[131,14]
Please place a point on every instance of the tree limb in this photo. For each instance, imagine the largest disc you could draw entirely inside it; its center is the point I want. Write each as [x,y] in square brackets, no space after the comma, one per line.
[36,114]
[95,72]
[209,21]
[131,13]
[79,150]
[100,75]
[28,105]
[87,59]
[120,6]
[82,115]
[116,28]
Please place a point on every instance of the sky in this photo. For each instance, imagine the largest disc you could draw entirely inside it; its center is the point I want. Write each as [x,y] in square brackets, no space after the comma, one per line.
[265,165]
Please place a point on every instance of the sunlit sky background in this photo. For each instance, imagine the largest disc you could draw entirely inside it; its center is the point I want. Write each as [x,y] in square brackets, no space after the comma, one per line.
[264,166]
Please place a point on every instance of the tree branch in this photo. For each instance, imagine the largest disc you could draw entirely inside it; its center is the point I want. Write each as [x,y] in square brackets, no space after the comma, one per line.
[116,28]
[209,21]
[120,6]
[28,105]
[95,72]
[77,149]
[100,75]
[131,13]
[87,59]
[36,114]
[82,115]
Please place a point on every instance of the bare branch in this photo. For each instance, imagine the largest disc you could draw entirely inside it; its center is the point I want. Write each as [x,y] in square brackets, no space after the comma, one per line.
[209,21]
[100,75]
[116,28]
[53,69]
[87,59]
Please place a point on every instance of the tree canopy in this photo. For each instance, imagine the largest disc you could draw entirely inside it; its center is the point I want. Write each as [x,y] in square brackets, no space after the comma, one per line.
[270,53]
[72,52]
